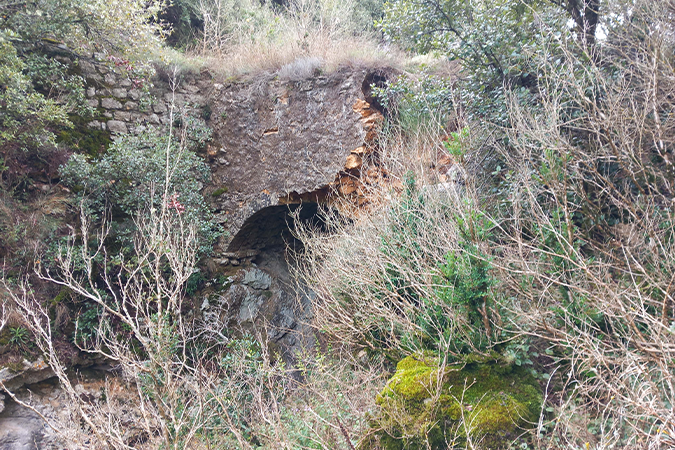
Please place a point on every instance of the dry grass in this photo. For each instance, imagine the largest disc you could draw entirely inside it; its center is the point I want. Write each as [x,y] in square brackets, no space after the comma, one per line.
[254,58]
[252,38]
[351,267]
[588,252]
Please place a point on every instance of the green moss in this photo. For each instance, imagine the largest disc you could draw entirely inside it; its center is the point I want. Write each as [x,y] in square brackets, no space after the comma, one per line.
[423,406]
[84,139]
[64,294]
[220,191]
[15,366]
[5,336]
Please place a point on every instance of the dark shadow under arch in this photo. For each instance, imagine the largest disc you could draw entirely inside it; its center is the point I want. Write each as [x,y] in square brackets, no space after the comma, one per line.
[272,227]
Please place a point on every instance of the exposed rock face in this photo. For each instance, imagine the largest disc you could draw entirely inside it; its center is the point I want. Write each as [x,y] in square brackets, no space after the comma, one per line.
[30,373]
[22,429]
[279,149]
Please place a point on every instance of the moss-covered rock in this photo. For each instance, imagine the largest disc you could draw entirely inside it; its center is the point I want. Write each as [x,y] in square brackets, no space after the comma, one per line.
[84,139]
[423,406]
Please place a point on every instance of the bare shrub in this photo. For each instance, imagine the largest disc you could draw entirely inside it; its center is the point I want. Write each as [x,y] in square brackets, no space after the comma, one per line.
[141,329]
[382,278]
[180,381]
[300,69]
[586,244]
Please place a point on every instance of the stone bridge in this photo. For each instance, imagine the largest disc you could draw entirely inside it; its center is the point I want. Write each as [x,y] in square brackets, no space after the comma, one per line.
[278,144]
[275,142]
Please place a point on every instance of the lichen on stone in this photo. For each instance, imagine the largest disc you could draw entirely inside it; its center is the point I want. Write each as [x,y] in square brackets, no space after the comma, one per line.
[427,406]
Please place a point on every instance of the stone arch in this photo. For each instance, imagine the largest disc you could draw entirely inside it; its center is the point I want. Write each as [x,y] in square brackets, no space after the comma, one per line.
[272,227]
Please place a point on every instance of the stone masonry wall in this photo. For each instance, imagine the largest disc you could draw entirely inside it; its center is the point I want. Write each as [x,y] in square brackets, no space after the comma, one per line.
[128,106]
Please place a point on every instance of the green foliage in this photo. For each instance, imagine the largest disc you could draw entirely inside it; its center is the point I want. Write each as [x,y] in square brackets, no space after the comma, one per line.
[82,138]
[398,244]
[424,100]
[244,373]
[27,116]
[87,324]
[52,77]
[194,283]
[493,40]
[123,27]
[453,314]
[19,337]
[40,43]
[459,313]
[131,177]
[456,143]
[467,285]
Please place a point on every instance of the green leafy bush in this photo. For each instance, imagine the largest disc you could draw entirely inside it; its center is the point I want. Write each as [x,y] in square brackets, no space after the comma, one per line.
[423,101]
[27,116]
[493,40]
[18,337]
[40,44]
[131,177]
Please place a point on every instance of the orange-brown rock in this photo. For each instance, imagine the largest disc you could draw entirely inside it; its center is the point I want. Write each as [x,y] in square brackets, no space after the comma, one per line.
[347,189]
[371,119]
[353,162]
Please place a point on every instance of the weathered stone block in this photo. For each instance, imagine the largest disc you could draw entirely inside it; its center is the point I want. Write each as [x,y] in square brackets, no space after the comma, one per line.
[116,126]
[257,279]
[159,107]
[122,115]
[119,93]
[134,94]
[137,129]
[131,106]
[197,100]
[177,98]
[87,67]
[93,102]
[110,103]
